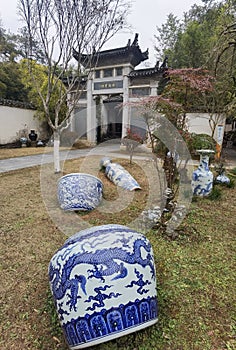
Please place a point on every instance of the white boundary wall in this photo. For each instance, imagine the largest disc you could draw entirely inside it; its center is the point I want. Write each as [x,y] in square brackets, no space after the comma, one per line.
[13,122]
[199,123]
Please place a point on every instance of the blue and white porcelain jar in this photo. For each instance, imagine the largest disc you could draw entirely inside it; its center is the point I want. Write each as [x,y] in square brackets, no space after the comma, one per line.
[104,285]
[202,178]
[223,179]
[119,175]
[79,191]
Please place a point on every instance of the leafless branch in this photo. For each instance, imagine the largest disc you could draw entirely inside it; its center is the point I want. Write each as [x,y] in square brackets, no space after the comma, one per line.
[61,26]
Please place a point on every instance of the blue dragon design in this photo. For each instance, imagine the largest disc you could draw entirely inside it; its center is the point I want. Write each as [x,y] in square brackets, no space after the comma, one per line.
[140,283]
[104,262]
[200,190]
[100,297]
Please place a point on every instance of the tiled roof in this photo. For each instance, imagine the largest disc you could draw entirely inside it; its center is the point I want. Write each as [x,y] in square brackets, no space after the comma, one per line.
[130,53]
[147,72]
[144,72]
[16,104]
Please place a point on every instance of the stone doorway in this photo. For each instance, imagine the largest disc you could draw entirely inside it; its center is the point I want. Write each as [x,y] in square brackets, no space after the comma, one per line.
[111,119]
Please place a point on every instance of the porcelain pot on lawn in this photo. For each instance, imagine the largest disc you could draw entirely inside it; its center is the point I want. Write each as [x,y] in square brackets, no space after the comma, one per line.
[202,178]
[119,175]
[79,191]
[32,135]
[104,285]
[223,179]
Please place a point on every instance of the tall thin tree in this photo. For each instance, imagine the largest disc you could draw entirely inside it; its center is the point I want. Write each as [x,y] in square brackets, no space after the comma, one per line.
[61,26]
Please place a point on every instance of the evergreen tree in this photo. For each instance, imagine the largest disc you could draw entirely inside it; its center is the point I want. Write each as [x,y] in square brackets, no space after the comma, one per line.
[189,43]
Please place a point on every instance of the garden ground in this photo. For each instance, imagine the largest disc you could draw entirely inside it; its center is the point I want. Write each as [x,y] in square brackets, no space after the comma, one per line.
[195,272]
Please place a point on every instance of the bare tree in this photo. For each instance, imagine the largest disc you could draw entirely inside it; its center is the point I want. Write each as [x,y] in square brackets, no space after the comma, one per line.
[62,27]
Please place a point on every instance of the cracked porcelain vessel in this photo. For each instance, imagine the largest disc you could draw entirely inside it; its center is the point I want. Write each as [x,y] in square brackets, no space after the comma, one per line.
[79,191]
[103,283]
[119,175]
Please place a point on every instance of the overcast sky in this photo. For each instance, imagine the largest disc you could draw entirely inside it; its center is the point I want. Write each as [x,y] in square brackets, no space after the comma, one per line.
[145,16]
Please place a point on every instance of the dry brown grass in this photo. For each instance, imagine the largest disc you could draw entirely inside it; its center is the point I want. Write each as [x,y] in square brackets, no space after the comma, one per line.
[29,238]
[25,151]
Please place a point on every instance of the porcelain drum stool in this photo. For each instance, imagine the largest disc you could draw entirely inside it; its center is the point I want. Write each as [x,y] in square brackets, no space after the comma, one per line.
[79,191]
[104,285]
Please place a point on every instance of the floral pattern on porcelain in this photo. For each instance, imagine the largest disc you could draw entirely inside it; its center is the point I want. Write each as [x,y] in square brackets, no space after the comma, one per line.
[119,175]
[79,191]
[104,284]
[202,177]
[222,179]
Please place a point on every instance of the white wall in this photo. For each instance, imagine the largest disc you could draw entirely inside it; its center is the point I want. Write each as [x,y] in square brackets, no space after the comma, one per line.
[199,123]
[14,120]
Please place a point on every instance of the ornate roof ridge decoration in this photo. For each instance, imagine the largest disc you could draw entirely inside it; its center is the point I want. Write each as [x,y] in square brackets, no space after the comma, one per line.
[144,72]
[131,53]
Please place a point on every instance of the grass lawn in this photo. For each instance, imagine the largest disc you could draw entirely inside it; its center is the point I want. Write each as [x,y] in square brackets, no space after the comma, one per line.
[25,151]
[195,273]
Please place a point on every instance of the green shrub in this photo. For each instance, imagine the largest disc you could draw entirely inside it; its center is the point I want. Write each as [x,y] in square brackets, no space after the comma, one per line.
[202,141]
[231,184]
[233,171]
[215,194]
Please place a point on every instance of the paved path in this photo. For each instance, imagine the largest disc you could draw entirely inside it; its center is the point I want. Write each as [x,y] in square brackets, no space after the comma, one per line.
[112,150]
[37,159]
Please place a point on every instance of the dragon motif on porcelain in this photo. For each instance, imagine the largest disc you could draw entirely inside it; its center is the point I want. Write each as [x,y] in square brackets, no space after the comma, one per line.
[105,262]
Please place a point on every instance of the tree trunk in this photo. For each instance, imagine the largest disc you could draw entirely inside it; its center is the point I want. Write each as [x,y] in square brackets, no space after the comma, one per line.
[56,151]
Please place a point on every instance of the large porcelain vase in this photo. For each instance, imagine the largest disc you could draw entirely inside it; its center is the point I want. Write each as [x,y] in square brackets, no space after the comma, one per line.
[202,178]
[79,191]
[32,135]
[104,285]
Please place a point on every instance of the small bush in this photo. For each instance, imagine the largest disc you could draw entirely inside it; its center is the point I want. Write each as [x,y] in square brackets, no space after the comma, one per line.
[233,171]
[215,194]
[202,141]
[231,184]
[79,144]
